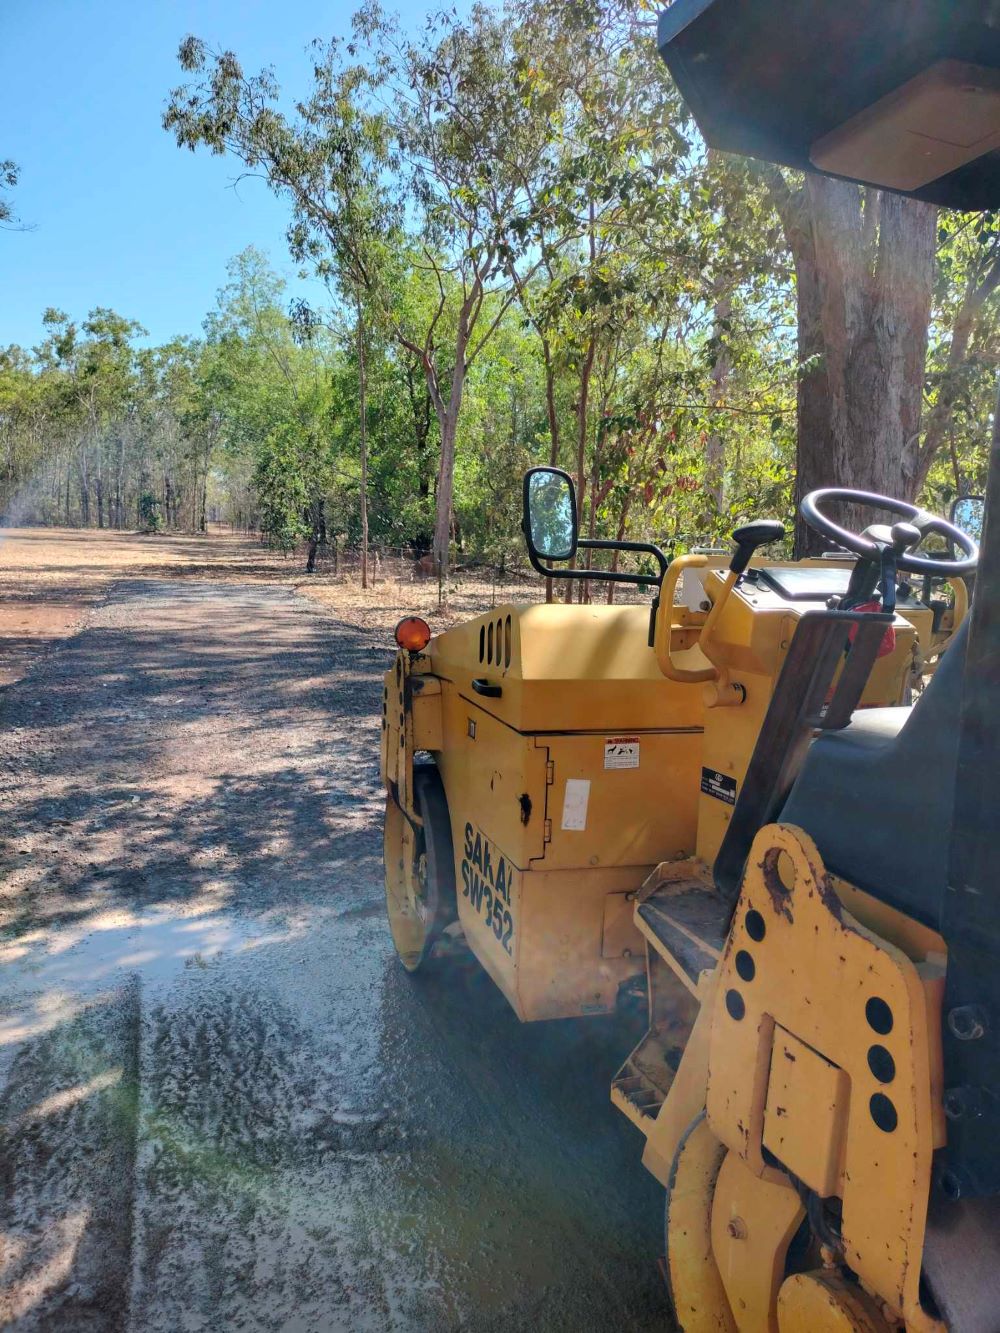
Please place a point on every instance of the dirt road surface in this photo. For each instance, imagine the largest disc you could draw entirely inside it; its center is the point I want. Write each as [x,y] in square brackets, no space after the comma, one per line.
[226,1105]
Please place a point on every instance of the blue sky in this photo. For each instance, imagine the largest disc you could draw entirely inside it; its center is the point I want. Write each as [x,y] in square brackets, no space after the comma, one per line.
[121,216]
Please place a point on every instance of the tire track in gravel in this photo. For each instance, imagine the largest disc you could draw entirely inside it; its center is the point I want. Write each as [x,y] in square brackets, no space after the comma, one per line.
[296,1134]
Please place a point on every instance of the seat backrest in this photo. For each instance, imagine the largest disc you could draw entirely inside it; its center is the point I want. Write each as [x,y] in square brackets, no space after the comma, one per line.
[802,701]
[878,797]
[934,718]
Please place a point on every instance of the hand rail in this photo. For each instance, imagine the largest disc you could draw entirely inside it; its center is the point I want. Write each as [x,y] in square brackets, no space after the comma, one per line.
[664,625]
[720,695]
[961,610]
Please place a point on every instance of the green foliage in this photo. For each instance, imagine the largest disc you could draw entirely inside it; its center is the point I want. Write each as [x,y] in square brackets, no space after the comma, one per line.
[150,517]
[9,176]
[521,231]
[281,489]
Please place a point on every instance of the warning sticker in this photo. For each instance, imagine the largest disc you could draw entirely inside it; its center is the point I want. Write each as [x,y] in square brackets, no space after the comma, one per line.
[719,785]
[621,752]
[575,804]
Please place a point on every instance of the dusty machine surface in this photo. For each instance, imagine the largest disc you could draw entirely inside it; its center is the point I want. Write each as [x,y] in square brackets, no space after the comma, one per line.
[722,801]
[560,753]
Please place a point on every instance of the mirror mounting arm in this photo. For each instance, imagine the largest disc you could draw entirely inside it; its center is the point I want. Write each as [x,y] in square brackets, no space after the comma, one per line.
[594,575]
[605,575]
[638,548]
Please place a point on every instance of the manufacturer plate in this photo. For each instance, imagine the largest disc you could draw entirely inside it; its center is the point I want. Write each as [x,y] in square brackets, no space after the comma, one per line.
[719,785]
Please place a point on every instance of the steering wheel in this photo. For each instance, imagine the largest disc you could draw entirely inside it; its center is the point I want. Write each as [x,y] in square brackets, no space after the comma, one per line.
[901,537]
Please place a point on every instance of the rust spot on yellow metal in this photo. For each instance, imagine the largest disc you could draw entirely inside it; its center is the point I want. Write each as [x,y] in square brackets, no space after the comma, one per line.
[778,891]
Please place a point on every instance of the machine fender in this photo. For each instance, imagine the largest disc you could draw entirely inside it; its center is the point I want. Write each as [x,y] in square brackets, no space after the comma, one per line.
[411,721]
[425,704]
[695,1285]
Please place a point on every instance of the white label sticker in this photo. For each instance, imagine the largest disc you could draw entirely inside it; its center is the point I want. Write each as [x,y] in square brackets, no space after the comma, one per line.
[621,752]
[575,804]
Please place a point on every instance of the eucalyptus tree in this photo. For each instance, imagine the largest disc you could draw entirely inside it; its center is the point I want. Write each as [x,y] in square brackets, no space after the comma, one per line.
[10,173]
[965,351]
[896,311]
[470,141]
[657,282]
[92,379]
[175,431]
[427,131]
[24,420]
[264,391]
[864,267]
[326,160]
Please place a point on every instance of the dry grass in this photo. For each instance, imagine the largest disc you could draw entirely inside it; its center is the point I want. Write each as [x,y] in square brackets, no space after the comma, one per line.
[50,577]
[395,592]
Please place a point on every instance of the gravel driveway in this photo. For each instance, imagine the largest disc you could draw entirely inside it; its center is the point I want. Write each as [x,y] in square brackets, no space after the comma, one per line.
[226,1105]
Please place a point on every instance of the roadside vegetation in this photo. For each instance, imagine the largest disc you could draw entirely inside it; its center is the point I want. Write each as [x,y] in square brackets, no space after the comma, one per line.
[529,257]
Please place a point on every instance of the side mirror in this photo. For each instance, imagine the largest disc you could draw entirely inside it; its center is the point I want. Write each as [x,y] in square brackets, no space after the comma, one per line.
[968,514]
[550,528]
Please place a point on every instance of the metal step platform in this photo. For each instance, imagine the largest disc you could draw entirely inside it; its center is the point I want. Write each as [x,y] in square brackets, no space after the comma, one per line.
[684,918]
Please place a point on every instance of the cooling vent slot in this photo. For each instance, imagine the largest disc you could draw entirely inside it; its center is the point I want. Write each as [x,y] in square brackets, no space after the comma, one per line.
[496,643]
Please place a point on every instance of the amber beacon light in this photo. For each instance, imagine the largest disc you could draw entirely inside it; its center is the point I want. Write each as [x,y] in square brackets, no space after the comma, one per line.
[413,634]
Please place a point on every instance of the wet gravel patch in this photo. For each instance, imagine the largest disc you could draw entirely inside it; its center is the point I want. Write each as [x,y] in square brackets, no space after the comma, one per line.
[309,1138]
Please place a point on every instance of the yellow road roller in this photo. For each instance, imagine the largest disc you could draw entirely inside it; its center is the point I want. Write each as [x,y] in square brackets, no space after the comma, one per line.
[721,799]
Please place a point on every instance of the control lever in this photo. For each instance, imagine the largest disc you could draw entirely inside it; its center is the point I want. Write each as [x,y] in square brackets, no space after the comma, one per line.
[905,537]
[719,691]
[750,538]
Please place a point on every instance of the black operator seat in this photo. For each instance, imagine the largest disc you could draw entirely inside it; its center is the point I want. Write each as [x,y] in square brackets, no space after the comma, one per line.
[877,797]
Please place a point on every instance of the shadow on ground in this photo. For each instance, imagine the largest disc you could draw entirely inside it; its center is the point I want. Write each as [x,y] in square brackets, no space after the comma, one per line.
[290,1131]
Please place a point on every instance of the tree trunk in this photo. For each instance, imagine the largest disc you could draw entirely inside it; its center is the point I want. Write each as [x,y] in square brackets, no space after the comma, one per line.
[120,486]
[814,465]
[582,411]
[595,481]
[421,409]
[553,416]
[619,536]
[715,449]
[981,287]
[448,415]
[363,422]
[865,277]
[582,415]
[313,519]
[445,492]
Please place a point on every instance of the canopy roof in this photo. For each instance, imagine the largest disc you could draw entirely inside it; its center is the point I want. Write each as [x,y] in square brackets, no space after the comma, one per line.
[904,94]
